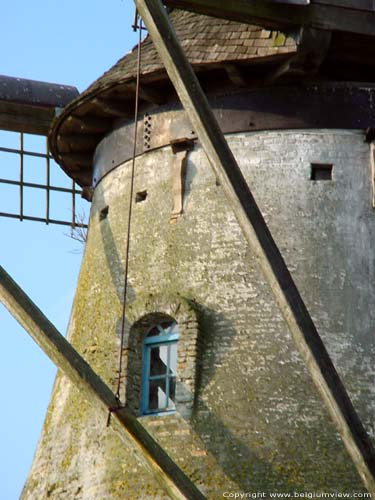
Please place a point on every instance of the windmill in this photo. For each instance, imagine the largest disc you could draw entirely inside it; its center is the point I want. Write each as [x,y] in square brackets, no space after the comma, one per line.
[313,47]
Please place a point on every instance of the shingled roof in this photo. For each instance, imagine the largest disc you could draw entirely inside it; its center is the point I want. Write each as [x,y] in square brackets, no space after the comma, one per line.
[208,42]
[205,40]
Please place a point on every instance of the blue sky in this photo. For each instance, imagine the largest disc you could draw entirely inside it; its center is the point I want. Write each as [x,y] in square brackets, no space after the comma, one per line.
[67,42]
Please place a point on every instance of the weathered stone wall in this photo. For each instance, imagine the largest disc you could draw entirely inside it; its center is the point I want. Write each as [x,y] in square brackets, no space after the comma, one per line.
[255,422]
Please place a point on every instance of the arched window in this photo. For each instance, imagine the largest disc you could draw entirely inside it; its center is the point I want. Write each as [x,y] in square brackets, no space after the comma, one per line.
[159,365]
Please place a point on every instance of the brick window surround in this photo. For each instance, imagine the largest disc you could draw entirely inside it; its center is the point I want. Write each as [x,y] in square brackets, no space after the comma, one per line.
[142,315]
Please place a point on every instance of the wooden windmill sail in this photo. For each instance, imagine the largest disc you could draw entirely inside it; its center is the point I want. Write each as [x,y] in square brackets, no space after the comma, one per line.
[29,107]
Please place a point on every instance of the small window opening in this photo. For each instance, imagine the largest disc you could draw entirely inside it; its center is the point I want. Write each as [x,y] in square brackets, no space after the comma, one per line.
[159,368]
[103,213]
[321,172]
[140,196]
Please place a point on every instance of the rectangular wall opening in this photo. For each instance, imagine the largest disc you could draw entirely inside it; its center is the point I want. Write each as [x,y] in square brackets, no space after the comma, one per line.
[140,196]
[321,172]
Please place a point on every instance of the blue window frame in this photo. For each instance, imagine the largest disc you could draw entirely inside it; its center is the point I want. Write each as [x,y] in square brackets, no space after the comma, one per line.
[159,368]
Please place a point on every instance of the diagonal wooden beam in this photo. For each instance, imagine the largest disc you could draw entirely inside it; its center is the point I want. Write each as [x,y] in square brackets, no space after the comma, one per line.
[260,240]
[95,391]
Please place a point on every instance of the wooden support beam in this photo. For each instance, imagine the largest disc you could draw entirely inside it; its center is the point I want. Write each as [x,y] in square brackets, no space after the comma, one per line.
[344,16]
[83,177]
[150,95]
[312,48]
[83,159]
[95,391]
[80,142]
[113,107]
[236,75]
[91,123]
[260,239]
[368,5]
[147,93]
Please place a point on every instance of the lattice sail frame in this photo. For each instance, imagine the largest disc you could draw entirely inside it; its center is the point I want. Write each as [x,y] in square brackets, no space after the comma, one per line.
[76,220]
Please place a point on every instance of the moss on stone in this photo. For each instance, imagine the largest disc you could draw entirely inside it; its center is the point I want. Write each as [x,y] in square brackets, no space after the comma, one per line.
[256,414]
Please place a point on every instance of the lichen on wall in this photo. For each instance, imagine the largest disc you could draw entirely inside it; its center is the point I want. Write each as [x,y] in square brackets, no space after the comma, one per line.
[257,422]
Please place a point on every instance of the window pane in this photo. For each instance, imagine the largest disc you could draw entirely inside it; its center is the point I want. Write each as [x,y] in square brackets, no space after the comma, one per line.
[165,327]
[156,330]
[172,358]
[158,360]
[172,393]
[157,397]
[159,377]
[173,327]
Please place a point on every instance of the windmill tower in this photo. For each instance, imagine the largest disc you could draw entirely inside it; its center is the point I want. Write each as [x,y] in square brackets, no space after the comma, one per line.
[209,367]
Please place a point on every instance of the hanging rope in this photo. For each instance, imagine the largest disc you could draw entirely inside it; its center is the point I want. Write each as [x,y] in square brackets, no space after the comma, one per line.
[137,25]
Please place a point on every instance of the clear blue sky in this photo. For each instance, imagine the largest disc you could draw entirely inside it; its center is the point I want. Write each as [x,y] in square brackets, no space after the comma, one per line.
[68,42]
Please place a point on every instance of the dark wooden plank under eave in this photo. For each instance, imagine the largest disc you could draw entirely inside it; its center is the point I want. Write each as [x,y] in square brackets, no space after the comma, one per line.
[279,16]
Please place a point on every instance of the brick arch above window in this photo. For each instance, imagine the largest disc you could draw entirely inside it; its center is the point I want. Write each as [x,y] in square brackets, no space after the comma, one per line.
[144,314]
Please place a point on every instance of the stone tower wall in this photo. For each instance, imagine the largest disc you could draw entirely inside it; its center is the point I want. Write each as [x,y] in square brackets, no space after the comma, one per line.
[249,418]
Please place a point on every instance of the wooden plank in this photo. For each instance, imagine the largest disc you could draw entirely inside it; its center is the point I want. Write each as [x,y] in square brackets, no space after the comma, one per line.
[279,16]
[36,93]
[368,5]
[95,391]
[291,2]
[260,240]
[24,118]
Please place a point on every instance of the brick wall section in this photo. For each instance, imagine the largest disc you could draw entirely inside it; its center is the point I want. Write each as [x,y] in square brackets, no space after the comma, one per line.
[257,422]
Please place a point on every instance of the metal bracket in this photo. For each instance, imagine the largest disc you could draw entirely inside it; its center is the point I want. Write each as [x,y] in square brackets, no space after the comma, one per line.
[147,122]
